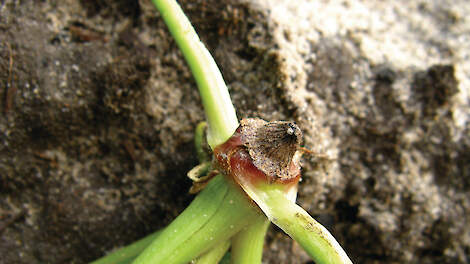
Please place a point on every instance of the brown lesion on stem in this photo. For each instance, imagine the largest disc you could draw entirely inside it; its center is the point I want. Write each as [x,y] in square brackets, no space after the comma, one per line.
[261,151]
[272,146]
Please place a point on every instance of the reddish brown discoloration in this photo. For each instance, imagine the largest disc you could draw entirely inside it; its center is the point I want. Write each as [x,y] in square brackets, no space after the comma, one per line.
[260,152]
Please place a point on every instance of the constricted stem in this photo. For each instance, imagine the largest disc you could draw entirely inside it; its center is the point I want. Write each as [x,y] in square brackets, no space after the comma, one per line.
[218,107]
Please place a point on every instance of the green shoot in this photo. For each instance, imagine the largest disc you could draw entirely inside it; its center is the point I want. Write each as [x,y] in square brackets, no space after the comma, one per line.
[219,110]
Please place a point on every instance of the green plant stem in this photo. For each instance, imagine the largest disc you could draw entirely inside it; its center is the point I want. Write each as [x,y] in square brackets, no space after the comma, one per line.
[196,215]
[214,255]
[235,213]
[183,240]
[218,107]
[219,110]
[247,245]
[298,224]
[127,253]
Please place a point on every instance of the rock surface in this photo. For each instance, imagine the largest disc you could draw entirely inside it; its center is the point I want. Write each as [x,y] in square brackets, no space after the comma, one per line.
[98,111]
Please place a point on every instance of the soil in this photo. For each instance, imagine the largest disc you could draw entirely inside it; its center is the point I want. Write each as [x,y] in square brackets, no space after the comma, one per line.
[98,112]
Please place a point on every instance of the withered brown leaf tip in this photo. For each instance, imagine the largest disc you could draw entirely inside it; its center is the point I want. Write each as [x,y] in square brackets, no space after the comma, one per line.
[272,146]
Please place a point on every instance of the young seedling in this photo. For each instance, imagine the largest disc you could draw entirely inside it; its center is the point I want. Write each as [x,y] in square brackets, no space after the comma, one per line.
[259,170]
